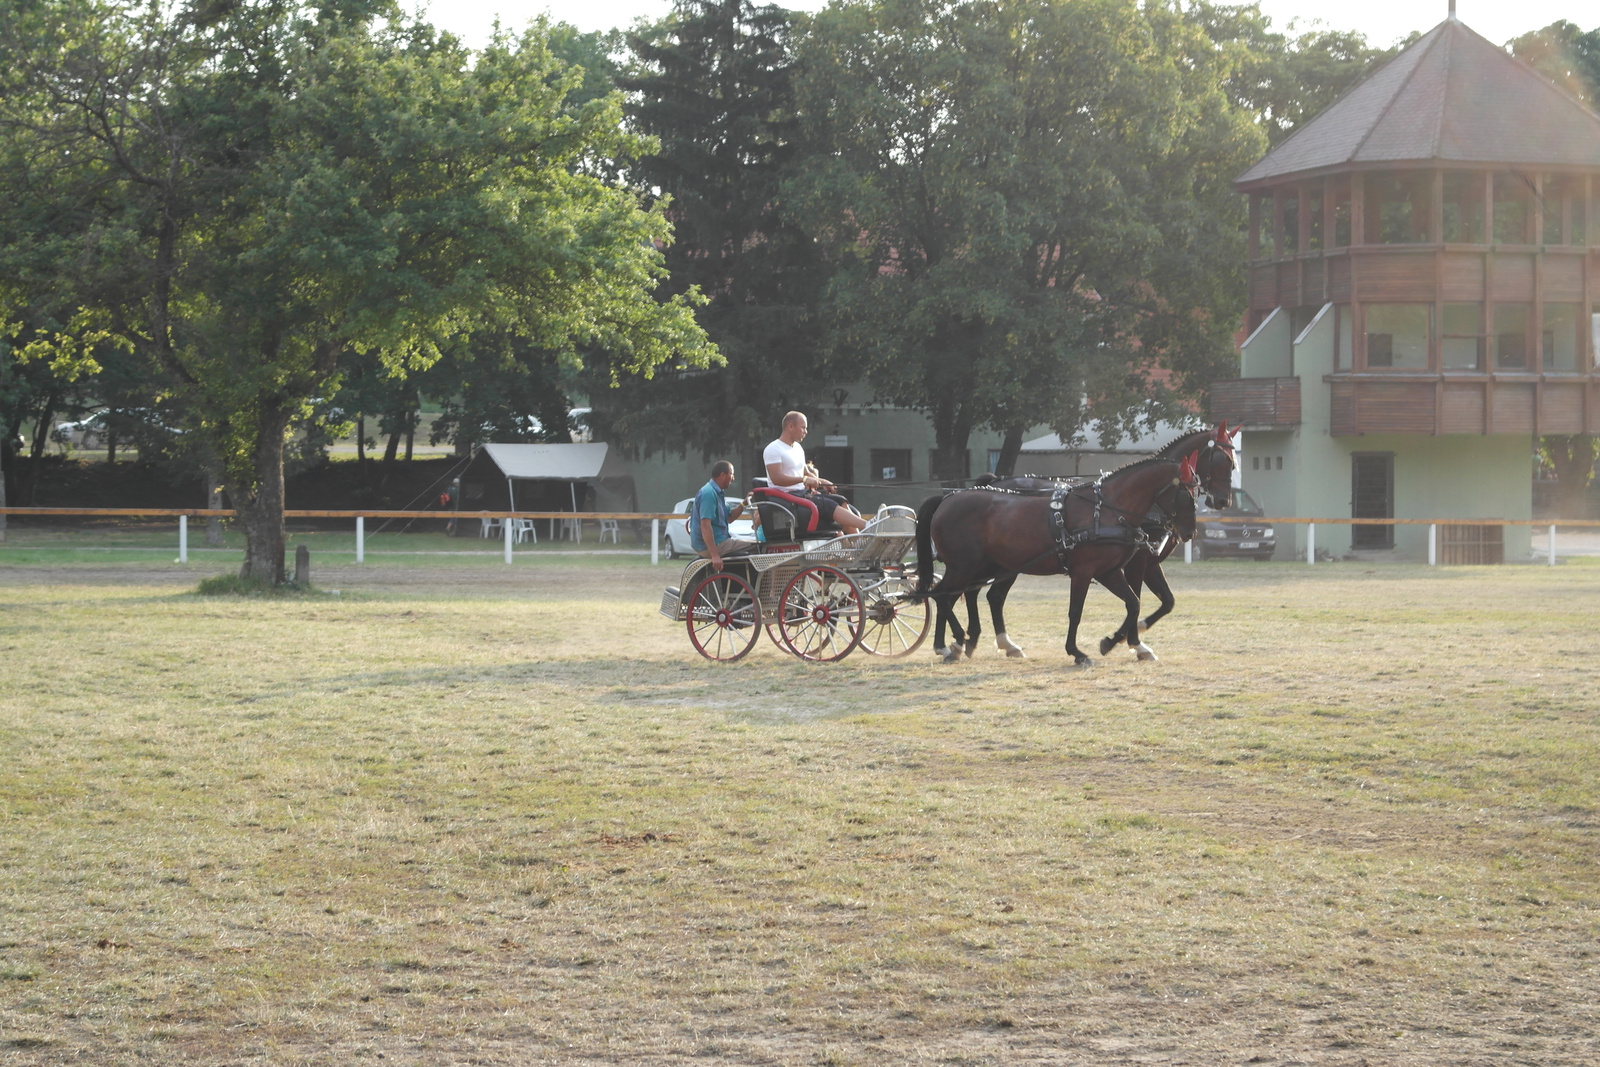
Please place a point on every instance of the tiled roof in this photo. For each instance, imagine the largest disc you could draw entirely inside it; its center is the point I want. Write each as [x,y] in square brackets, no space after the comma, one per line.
[1452,96]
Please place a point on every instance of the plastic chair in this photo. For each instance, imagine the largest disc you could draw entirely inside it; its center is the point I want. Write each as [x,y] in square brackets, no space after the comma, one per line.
[572,530]
[491,528]
[523,530]
[608,526]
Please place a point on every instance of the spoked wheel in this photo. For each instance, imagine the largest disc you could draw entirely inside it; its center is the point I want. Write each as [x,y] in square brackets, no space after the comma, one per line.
[820,616]
[895,626]
[724,618]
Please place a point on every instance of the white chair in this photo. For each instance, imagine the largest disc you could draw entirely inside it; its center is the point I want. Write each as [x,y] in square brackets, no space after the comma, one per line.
[523,530]
[608,526]
[491,528]
[572,530]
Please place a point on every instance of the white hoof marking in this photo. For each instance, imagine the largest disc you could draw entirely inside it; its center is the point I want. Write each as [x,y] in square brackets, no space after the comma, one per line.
[1004,644]
[1144,652]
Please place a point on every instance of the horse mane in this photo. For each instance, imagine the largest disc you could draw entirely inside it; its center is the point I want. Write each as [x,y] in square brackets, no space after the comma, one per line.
[1182,446]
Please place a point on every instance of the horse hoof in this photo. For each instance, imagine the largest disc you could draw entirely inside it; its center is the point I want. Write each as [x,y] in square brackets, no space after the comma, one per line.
[1107,644]
[1082,662]
[1016,653]
[967,649]
[1145,655]
[948,655]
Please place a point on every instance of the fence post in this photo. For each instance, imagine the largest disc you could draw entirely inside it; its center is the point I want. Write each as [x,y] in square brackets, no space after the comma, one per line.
[183,538]
[655,542]
[1311,543]
[1188,551]
[506,524]
[1552,544]
[361,538]
[1433,544]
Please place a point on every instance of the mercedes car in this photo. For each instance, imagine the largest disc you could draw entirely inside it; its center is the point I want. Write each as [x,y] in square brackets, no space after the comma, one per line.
[1235,532]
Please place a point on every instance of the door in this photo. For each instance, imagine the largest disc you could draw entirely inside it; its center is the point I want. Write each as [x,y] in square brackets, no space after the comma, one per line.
[1372,497]
[838,465]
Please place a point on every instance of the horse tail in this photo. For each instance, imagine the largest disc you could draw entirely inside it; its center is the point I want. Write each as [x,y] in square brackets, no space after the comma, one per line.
[925,547]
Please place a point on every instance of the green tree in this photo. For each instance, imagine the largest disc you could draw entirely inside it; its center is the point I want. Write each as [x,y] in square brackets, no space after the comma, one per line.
[1285,78]
[713,83]
[1028,206]
[296,183]
[1566,55]
[1572,457]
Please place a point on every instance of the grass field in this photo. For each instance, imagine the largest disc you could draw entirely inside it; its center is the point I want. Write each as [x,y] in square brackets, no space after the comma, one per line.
[480,814]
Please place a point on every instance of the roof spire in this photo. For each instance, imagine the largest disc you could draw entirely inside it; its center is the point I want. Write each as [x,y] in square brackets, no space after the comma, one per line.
[1452,10]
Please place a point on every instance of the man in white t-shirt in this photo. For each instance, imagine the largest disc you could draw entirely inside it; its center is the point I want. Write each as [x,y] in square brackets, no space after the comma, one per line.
[788,470]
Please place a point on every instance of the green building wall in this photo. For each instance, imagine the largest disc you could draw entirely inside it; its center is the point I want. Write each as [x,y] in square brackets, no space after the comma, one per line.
[1443,477]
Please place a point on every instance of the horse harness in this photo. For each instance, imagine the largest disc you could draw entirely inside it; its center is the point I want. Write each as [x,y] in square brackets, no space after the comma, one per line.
[1140,531]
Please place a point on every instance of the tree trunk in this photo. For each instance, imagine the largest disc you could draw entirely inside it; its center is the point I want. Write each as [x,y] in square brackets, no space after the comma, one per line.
[41,437]
[261,508]
[1010,449]
[361,447]
[5,465]
[213,503]
[952,429]
[390,452]
[411,434]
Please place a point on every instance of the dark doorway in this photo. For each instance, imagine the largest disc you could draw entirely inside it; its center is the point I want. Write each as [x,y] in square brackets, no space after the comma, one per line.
[838,465]
[1372,497]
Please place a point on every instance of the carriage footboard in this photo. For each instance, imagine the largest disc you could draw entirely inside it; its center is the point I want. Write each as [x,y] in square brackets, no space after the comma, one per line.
[672,604]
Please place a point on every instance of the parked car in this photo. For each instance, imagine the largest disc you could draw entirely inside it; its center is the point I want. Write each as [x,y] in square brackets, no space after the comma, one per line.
[1235,531]
[675,538]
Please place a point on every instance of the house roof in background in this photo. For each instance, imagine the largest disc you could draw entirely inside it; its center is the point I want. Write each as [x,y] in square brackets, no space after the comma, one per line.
[1452,96]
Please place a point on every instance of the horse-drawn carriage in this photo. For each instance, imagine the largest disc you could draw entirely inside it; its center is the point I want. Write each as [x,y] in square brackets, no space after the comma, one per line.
[819,594]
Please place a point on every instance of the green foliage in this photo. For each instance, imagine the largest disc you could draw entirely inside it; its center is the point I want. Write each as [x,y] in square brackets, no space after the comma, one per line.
[713,83]
[1566,55]
[257,193]
[1028,205]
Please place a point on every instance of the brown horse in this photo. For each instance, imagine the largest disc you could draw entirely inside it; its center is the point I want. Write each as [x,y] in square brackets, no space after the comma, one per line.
[985,535]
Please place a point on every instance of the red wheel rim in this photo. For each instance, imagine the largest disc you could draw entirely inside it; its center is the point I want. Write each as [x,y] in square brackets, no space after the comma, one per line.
[724,618]
[820,616]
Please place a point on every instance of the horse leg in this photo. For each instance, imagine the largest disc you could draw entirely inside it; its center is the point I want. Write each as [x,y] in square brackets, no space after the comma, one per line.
[945,611]
[974,628]
[1157,581]
[1134,573]
[997,611]
[1114,581]
[1080,588]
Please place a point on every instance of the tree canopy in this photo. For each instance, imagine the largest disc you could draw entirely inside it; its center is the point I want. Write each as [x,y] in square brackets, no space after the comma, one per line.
[246,193]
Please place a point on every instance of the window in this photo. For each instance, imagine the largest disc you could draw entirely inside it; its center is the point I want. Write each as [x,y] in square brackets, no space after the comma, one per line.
[1341,218]
[1344,333]
[1561,337]
[1280,463]
[1563,210]
[891,464]
[1314,209]
[1513,209]
[1289,224]
[1511,336]
[1463,208]
[1397,336]
[1397,208]
[1463,337]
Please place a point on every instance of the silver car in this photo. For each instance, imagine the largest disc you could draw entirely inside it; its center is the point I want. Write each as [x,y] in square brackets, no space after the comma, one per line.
[675,538]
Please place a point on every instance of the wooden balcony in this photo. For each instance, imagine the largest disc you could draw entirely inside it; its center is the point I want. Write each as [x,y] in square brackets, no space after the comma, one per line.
[1424,403]
[1257,403]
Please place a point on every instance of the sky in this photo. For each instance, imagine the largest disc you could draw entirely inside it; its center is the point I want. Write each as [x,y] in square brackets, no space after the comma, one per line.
[1383,21]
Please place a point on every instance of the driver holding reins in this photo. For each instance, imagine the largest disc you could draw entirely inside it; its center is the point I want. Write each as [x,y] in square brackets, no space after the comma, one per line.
[788,470]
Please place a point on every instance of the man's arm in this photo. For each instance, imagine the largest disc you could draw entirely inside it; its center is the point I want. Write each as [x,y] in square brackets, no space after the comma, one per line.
[775,476]
[709,537]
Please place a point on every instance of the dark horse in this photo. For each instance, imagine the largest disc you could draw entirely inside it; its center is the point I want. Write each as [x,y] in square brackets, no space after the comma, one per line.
[1164,529]
[984,535]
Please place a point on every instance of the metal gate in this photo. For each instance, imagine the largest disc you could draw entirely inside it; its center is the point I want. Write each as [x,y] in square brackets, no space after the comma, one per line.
[1372,497]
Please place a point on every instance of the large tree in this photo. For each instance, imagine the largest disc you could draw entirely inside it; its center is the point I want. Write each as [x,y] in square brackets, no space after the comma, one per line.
[287,184]
[713,82]
[1566,55]
[1028,206]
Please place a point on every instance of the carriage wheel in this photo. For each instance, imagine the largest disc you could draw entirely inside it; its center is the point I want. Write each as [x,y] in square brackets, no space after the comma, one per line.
[819,617]
[724,618]
[894,626]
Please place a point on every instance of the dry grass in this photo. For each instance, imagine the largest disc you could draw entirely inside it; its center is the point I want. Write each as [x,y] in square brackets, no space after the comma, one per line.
[508,816]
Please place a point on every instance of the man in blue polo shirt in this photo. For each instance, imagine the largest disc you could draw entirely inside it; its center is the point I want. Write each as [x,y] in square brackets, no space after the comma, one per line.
[708,521]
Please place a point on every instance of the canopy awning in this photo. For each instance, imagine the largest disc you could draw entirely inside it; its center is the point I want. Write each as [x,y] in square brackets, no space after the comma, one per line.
[560,462]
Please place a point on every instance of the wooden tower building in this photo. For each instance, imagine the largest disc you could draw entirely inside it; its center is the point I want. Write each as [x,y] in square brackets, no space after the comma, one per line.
[1424,298]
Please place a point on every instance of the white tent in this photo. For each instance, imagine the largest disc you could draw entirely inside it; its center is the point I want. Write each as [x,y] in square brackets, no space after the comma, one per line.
[591,463]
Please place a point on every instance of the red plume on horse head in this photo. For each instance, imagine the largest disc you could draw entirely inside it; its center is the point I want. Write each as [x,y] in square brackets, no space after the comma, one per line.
[1186,471]
[1224,438]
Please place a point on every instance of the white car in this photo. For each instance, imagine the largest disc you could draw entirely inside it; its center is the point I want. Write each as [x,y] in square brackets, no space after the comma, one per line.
[675,539]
